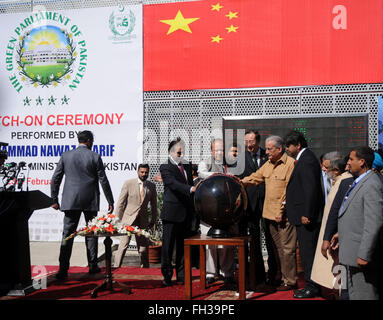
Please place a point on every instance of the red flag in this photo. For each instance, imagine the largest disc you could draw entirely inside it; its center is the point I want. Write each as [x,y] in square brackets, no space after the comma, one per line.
[252,43]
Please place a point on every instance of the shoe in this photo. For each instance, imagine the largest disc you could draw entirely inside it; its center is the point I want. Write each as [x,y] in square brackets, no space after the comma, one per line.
[286,287]
[94,269]
[210,280]
[180,281]
[299,290]
[166,283]
[61,275]
[305,294]
[264,288]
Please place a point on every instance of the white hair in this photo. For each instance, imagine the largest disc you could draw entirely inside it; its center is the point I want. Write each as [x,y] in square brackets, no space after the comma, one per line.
[278,141]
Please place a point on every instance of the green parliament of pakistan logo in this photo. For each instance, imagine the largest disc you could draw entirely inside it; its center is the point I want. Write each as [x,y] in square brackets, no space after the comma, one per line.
[47,51]
[122,22]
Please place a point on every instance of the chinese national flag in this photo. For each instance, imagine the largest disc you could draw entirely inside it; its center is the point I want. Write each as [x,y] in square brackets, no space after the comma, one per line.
[262,43]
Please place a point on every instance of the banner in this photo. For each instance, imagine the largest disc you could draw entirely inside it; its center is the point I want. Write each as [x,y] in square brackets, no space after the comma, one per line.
[269,43]
[64,72]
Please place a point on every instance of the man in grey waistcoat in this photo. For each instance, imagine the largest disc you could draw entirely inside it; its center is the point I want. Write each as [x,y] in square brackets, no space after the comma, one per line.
[83,170]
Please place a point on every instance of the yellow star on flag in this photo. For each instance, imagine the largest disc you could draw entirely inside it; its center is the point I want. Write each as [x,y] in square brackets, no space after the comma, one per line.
[179,23]
[216,7]
[231,29]
[232,15]
[216,39]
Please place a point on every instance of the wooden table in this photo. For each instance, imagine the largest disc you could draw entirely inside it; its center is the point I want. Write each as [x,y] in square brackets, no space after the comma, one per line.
[202,241]
[109,283]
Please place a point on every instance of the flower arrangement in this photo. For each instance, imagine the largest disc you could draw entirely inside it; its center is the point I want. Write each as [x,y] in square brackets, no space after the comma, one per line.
[109,224]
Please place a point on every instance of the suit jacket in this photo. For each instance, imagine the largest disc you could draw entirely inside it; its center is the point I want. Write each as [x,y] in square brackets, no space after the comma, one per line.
[360,221]
[332,220]
[83,170]
[129,205]
[304,196]
[177,204]
[256,193]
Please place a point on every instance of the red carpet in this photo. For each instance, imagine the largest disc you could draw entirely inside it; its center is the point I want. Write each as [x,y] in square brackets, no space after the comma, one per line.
[145,285]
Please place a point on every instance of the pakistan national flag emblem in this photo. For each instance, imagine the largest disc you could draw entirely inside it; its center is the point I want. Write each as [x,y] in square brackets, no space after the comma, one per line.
[45,56]
[122,21]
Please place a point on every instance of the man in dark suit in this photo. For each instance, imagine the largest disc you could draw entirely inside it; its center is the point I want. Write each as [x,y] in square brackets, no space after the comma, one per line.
[255,157]
[177,210]
[83,170]
[304,205]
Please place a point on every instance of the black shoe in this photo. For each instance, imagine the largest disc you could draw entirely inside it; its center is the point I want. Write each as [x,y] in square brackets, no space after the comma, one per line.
[265,288]
[166,283]
[94,269]
[210,280]
[61,275]
[299,290]
[305,294]
[286,287]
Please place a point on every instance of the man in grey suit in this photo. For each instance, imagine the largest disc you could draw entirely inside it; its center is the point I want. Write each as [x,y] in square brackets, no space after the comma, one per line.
[83,170]
[359,220]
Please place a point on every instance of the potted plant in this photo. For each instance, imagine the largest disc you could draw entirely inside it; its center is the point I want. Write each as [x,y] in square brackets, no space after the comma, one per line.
[155,246]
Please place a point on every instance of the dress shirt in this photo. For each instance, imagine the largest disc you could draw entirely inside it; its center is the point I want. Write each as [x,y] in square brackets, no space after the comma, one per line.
[276,177]
[299,154]
[141,185]
[177,163]
[327,184]
[356,181]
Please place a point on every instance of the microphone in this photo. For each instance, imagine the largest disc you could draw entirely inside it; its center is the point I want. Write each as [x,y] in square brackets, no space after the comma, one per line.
[21,164]
[29,168]
[20,180]
[10,165]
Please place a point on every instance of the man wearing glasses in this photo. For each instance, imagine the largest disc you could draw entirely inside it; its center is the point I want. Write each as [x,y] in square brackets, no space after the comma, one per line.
[177,210]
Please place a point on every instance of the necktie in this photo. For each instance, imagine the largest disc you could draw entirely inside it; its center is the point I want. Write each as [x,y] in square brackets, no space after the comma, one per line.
[180,166]
[346,197]
[254,157]
[295,162]
[142,192]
